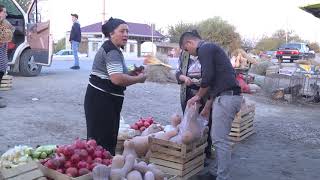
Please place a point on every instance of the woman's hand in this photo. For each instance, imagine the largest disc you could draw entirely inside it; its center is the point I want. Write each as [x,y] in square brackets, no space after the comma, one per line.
[142,77]
[186,80]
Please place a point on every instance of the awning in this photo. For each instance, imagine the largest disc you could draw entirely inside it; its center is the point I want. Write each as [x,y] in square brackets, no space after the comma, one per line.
[313,9]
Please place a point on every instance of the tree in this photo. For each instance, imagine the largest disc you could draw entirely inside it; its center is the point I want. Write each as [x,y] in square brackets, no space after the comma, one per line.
[176,31]
[213,29]
[221,32]
[314,46]
[24,4]
[61,44]
[277,38]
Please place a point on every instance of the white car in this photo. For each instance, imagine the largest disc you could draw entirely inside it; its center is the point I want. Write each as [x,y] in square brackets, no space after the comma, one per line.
[67,54]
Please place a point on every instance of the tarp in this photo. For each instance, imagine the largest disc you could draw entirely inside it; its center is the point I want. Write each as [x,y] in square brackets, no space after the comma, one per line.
[313,9]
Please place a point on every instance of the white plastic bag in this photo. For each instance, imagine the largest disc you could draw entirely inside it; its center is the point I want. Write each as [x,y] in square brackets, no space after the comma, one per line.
[192,126]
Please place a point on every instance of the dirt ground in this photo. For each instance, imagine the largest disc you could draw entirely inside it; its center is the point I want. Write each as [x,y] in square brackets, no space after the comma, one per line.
[286,145]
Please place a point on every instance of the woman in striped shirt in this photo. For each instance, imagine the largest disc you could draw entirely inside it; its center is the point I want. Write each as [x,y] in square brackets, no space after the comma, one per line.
[108,81]
[6,33]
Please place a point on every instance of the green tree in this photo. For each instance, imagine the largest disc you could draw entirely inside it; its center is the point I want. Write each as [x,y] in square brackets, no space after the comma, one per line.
[221,32]
[24,4]
[277,38]
[61,44]
[176,31]
[213,29]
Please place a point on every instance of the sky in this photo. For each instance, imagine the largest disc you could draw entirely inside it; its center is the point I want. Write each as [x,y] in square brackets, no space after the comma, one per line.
[252,18]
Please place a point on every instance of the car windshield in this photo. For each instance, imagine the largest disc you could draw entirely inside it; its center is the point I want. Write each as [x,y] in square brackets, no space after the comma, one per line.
[291,46]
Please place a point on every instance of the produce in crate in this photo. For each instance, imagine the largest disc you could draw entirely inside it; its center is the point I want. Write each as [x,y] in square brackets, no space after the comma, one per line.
[79,158]
[43,152]
[16,156]
[175,121]
[153,128]
[128,167]
[125,132]
[142,124]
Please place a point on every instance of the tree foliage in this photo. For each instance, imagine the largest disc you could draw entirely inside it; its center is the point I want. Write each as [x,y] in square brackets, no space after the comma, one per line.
[61,44]
[213,29]
[315,46]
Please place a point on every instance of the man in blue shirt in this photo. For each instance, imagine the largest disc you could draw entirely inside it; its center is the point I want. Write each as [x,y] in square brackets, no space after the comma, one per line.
[75,39]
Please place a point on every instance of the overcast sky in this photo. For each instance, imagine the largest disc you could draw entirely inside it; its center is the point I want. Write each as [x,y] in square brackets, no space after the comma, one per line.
[252,18]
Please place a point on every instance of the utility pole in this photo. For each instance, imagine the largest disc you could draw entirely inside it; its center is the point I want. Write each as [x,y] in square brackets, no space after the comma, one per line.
[103,16]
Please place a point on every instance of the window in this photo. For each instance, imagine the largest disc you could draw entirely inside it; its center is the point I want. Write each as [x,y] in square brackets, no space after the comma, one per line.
[12,9]
[39,12]
[131,48]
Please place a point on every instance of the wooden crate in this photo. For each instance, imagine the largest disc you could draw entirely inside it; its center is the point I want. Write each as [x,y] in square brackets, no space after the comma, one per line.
[179,160]
[6,83]
[119,146]
[242,126]
[50,173]
[29,171]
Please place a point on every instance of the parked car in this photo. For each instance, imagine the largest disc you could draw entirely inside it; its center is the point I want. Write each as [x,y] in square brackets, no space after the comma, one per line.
[293,51]
[66,54]
[31,46]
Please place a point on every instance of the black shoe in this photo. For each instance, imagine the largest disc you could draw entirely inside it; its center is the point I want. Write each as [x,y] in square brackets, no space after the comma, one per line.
[206,176]
[75,67]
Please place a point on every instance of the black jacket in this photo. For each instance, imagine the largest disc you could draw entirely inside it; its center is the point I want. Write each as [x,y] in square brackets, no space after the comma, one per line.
[75,34]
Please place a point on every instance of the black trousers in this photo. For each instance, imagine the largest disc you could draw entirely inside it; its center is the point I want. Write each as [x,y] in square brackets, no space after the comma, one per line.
[189,95]
[102,112]
[1,76]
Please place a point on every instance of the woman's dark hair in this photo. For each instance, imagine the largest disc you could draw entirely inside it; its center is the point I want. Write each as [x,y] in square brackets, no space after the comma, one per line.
[111,25]
[189,35]
[1,7]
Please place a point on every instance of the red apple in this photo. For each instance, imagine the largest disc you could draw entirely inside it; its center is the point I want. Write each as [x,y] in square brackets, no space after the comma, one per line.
[98,154]
[83,171]
[142,128]
[92,143]
[146,124]
[75,158]
[98,160]
[106,162]
[72,171]
[89,160]
[83,154]
[68,164]
[82,164]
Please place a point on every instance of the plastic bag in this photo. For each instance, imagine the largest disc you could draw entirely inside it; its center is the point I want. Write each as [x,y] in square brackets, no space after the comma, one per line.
[192,126]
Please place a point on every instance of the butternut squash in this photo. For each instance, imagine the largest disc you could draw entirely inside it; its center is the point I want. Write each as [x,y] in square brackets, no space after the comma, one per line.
[141,167]
[117,162]
[134,175]
[149,176]
[119,173]
[129,148]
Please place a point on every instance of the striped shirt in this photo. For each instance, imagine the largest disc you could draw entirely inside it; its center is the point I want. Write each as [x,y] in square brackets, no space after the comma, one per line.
[106,64]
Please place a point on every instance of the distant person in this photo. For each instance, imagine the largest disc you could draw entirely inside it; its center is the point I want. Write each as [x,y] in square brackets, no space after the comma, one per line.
[108,80]
[6,34]
[75,39]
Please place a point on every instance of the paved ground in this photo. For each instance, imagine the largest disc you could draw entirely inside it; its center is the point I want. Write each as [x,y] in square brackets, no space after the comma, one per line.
[285,147]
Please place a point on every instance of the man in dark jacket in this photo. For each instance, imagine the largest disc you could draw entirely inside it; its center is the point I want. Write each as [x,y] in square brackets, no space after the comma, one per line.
[219,79]
[75,39]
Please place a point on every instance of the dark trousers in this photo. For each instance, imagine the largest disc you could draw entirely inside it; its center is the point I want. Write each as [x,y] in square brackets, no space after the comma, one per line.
[102,112]
[1,76]
[189,95]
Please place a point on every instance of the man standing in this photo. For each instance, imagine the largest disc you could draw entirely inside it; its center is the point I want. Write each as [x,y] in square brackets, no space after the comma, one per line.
[219,78]
[75,39]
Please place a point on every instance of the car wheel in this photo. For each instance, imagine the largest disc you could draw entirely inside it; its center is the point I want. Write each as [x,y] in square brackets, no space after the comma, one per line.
[27,65]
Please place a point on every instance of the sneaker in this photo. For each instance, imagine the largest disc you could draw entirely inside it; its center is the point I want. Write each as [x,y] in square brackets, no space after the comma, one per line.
[75,67]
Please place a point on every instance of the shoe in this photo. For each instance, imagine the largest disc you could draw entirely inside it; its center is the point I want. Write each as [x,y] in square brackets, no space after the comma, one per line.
[2,104]
[75,67]
[207,176]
